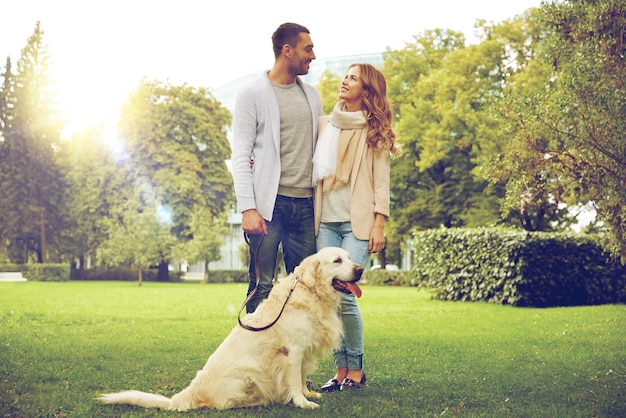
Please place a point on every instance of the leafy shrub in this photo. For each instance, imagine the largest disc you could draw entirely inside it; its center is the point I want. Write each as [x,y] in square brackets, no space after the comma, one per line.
[122,273]
[381,277]
[517,268]
[378,277]
[228,276]
[46,272]
[12,267]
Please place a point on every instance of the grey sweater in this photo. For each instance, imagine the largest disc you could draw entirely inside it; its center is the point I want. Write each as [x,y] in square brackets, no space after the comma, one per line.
[256,137]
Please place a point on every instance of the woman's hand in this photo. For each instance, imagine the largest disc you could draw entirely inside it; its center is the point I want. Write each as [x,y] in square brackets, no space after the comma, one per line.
[377,235]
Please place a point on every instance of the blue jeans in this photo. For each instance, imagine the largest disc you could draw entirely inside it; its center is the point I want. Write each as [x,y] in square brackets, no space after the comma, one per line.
[292,225]
[339,234]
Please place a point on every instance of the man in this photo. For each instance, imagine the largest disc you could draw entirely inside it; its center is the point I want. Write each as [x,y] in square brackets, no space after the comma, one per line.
[274,131]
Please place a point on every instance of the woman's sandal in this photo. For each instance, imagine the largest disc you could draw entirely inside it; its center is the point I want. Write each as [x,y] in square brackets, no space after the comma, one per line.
[349,384]
[331,386]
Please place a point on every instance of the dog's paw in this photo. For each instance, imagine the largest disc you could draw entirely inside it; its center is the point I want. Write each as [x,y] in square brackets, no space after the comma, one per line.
[304,403]
[310,405]
[313,395]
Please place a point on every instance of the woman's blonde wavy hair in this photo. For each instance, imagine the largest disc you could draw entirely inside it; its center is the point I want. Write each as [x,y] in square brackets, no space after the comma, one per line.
[377,109]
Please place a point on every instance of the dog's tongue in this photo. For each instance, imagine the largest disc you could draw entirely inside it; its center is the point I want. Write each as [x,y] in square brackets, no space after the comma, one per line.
[354,288]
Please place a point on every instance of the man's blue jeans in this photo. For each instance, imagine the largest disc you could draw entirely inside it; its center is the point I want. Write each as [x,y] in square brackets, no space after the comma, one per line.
[292,225]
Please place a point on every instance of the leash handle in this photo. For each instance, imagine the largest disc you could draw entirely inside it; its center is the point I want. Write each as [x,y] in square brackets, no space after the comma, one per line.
[257,269]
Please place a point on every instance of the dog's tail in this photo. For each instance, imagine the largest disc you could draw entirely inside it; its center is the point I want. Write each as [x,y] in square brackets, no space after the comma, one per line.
[135,397]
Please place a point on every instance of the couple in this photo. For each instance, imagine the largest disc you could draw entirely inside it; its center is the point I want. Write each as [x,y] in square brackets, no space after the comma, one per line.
[308,181]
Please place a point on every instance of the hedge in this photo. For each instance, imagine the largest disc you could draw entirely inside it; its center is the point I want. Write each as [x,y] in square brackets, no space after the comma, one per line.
[124,273]
[228,276]
[518,268]
[40,272]
[6,267]
[382,277]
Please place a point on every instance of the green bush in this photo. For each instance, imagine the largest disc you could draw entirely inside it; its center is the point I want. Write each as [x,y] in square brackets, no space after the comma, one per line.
[122,273]
[378,277]
[518,268]
[381,277]
[228,276]
[12,267]
[40,272]
[129,274]
[46,272]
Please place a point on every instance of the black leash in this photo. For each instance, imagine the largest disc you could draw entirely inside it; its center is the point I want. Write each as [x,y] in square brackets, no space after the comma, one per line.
[257,272]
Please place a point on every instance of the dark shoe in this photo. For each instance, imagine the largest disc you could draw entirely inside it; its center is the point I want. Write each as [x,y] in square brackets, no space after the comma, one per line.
[331,386]
[349,384]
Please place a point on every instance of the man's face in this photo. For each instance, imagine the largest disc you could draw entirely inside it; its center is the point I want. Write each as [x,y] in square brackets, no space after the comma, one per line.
[302,55]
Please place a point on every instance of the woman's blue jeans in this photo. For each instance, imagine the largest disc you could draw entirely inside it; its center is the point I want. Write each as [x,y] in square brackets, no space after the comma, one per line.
[339,234]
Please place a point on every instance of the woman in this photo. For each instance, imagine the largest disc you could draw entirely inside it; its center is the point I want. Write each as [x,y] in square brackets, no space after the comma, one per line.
[351,173]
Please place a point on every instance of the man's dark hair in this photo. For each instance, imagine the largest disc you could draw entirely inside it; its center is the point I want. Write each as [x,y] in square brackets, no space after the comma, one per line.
[287,33]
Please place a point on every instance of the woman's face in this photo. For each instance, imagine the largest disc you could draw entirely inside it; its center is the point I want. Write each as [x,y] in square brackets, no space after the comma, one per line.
[351,90]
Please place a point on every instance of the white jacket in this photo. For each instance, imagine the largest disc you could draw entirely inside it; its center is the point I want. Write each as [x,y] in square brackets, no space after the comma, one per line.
[256,135]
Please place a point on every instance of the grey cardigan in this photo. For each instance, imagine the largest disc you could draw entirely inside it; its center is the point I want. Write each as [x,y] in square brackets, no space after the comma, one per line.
[256,143]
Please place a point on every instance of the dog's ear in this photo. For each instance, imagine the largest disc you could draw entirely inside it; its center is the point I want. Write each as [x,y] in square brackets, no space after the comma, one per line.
[308,271]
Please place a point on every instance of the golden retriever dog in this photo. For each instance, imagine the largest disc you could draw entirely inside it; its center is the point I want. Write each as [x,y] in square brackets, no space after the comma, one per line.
[252,368]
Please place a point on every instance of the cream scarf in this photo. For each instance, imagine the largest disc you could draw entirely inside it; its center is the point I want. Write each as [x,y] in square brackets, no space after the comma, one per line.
[336,147]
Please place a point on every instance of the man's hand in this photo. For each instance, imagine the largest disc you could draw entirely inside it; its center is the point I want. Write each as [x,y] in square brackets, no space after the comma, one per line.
[253,223]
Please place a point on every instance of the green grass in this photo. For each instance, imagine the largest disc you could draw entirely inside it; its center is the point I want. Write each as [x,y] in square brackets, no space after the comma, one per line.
[62,344]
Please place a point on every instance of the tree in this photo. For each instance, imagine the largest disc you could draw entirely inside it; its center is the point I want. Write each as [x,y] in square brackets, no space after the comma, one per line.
[136,236]
[100,181]
[530,203]
[31,183]
[566,135]
[176,139]
[209,234]
[438,87]
[7,105]
[7,102]
[328,88]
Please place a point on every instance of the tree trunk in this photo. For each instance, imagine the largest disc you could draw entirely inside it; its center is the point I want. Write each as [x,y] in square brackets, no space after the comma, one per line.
[43,246]
[140,275]
[205,279]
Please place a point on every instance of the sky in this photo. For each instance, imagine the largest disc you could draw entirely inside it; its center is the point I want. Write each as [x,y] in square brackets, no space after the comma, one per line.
[101,49]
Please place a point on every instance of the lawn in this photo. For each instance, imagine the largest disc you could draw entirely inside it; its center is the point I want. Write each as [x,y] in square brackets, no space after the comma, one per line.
[61,344]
